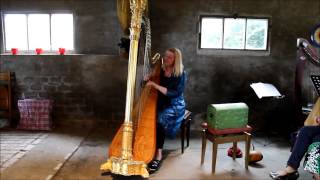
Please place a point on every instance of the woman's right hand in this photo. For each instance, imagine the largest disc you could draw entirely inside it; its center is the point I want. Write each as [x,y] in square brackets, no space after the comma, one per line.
[146,77]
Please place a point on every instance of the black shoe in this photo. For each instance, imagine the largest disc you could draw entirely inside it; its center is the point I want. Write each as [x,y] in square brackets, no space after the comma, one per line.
[154,165]
[290,176]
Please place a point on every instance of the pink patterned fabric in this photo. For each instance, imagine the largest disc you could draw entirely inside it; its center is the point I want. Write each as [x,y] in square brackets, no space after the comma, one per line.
[35,114]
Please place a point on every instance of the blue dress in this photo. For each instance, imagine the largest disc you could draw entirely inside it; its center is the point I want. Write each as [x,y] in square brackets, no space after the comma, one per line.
[171,107]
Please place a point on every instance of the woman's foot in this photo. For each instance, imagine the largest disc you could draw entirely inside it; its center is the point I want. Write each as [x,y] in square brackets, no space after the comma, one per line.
[284,175]
[154,165]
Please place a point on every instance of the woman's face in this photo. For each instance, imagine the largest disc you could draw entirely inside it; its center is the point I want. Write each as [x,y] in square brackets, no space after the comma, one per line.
[168,59]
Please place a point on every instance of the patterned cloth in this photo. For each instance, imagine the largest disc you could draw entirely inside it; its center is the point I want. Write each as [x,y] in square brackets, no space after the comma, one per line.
[171,107]
[312,160]
[35,114]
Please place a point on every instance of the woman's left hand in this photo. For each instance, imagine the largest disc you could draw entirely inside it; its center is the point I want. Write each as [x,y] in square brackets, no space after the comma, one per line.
[318,120]
[151,83]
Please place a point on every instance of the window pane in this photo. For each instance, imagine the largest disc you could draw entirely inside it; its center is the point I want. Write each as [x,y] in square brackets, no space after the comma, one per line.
[234,33]
[257,32]
[62,31]
[211,33]
[39,31]
[16,31]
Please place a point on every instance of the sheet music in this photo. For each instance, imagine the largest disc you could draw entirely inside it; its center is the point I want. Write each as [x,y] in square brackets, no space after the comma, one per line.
[265,90]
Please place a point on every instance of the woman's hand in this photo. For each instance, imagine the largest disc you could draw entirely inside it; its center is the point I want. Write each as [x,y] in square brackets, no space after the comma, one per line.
[151,83]
[146,78]
[162,89]
[318,120]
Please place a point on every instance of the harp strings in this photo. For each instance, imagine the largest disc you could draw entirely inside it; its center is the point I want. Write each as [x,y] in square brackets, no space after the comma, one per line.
[144,69]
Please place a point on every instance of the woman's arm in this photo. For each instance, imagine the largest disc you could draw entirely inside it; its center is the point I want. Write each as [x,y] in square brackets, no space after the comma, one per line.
[162,89]
[173,91]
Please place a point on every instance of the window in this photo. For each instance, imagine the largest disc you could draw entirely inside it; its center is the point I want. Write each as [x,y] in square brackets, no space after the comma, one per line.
[30,31]
[234,33]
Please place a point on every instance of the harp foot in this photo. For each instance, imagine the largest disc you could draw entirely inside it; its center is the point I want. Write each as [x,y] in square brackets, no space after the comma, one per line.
[125,167]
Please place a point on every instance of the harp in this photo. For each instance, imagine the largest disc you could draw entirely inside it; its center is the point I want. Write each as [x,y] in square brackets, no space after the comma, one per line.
[134,145]
[307,58]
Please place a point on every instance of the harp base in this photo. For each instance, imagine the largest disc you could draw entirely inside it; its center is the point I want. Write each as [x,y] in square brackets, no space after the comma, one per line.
[123,167]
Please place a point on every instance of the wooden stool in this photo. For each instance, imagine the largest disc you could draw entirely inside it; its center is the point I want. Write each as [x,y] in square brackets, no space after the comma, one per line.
[185,129]
[225,136]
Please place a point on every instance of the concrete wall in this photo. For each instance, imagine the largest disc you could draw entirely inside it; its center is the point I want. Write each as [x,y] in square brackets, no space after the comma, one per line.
[88,85]
[97,30]
[82,86]
[212,78]
[226,78]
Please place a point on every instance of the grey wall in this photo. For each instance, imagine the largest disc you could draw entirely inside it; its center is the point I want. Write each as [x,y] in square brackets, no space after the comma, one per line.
[226,78]
[82,86]
[212,78]
[97,30]
[89,85]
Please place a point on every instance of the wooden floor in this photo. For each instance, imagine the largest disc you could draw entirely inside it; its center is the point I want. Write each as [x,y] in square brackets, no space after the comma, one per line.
[77,153]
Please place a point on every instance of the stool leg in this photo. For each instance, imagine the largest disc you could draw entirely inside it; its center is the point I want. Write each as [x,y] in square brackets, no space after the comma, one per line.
[182,134]
[188,131]
[214,155]
[204,144]
[248,142]
[234,152]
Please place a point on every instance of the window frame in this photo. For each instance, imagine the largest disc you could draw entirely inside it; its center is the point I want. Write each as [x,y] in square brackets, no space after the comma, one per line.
[30,51]
[234,51]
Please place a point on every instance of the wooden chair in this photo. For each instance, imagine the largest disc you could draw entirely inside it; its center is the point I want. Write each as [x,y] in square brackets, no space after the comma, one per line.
[185,129]
[225,136]
[6,95]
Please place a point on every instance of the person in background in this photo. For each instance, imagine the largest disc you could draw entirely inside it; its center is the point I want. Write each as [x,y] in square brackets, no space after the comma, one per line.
[306,136]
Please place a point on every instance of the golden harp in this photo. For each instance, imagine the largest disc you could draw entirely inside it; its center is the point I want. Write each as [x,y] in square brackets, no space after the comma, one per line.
[134,144]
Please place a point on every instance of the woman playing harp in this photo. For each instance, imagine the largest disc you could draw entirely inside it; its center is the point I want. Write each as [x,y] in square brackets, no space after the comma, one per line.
[171,104]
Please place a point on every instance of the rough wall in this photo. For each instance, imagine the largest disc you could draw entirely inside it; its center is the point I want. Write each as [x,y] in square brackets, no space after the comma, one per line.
[82,86]
[211,78]
[226,78]
[97,30]
[88,85]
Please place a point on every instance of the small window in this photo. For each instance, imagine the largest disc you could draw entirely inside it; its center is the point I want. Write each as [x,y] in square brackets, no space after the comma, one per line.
[30,31]
[234,33]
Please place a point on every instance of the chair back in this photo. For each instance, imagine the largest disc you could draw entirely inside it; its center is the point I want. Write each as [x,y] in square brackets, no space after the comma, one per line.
[5,91]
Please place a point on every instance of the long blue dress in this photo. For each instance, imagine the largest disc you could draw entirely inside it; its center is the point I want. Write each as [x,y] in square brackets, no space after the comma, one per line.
[171,107]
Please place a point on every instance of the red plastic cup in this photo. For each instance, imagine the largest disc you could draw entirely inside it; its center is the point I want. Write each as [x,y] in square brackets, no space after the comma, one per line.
[62,51]
[38,51]
[14,51]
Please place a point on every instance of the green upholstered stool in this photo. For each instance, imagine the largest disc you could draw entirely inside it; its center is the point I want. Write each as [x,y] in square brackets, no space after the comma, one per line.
[217,136]
[227,115]
[226,123]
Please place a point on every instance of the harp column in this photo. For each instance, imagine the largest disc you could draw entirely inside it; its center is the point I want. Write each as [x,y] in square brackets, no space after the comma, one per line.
[137,8]
[126,165]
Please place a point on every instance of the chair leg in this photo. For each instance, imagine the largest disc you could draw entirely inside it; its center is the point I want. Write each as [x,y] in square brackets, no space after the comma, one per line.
[204,144]
[248,142]
[214,155]
[182,134]
[234,150]
[188,131]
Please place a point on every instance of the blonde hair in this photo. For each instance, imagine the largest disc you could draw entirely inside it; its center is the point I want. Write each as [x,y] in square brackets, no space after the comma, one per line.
[178,65]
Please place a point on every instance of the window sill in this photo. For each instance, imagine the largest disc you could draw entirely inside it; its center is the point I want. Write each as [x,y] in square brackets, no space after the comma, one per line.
[226,52]
[42,54]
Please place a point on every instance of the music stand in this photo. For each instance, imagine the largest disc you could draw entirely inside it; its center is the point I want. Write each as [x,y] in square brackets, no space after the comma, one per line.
[316,82]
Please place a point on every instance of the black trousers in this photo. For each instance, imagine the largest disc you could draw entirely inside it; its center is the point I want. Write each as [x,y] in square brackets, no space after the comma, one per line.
[161,135]
[306,136]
